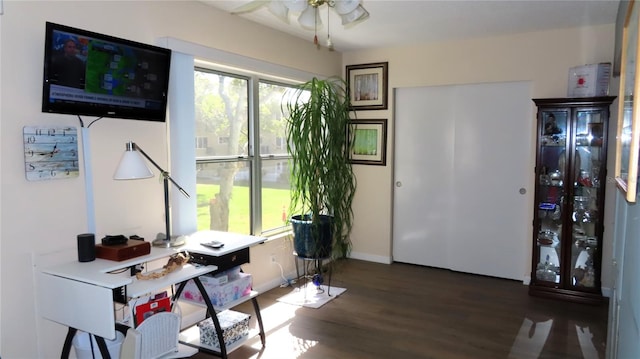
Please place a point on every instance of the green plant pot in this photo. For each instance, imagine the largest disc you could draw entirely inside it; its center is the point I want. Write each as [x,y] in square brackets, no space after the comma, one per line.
[310,242]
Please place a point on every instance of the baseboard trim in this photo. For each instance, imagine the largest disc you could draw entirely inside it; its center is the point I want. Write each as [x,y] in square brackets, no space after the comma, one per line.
[370,258]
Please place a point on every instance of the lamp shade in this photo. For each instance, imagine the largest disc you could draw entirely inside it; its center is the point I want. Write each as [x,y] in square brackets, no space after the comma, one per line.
[278,9]
[346,6]
[132,166]
[296,5]
[309,18]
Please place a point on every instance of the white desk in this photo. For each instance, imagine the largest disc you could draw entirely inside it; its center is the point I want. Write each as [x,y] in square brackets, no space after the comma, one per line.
[233,242]
[80,295]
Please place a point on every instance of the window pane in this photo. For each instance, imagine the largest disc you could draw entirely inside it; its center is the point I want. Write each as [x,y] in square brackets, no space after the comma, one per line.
[221,114]
[274,171]
[275,193]
[272,123]
[223,196]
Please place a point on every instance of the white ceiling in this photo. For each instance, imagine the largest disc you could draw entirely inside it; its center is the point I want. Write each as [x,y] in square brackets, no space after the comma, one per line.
[401,22]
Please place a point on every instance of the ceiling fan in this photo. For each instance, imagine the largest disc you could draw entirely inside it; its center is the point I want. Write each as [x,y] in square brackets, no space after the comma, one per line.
[350,11]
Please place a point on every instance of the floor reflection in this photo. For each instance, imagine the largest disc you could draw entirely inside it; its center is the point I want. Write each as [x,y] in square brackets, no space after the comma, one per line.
[530,339]
[534,339]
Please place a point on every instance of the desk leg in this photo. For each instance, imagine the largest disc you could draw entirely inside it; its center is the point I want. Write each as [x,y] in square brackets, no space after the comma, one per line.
[103,347]
[256,308]
[66,348]
[181,286]
[214,317]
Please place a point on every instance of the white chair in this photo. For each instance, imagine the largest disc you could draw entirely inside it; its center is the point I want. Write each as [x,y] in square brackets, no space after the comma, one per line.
[156,337]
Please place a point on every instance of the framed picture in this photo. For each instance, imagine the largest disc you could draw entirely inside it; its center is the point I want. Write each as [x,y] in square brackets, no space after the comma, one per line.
[369,142]
[628,136]
[617,49]
[367,84]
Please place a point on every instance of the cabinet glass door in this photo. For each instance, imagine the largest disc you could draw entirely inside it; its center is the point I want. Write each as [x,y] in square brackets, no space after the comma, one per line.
[587,184]
[552,181]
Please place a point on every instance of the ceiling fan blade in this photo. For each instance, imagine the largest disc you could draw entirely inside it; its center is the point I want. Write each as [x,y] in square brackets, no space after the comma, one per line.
[355,17]
[250,6]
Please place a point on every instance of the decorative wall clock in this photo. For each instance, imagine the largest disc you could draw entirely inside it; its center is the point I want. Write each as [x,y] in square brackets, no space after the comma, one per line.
[50,152]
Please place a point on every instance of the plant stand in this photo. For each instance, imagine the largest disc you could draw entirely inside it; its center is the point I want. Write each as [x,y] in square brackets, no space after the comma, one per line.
[316,264]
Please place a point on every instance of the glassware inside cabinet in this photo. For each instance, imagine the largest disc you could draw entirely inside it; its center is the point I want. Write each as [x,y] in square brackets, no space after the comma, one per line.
[549,265]
[550,195]
[589,140]
[585,217]
[585,242]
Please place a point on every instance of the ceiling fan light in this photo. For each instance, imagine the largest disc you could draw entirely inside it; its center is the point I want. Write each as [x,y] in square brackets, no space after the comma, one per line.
[309,19]
[279,10]
[357,15]
[345,6]
[296,5]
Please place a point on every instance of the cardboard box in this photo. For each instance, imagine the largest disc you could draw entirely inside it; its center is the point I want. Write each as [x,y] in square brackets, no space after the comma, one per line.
[234,325]
[220,293]
[589,80]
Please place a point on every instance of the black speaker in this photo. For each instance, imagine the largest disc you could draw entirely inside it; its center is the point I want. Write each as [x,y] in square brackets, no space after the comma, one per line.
[86,247]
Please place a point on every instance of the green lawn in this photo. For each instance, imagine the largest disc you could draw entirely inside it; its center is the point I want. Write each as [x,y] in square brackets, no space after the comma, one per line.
[274,202]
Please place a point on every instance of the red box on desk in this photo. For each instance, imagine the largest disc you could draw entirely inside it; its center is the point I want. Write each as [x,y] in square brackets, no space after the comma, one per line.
[121,252]
[238,286]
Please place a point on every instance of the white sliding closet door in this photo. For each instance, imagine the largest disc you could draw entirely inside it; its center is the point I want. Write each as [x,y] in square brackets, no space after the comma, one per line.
[461,159]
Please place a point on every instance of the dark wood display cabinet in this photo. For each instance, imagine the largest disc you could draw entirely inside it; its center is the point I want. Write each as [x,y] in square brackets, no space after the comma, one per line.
[569,198]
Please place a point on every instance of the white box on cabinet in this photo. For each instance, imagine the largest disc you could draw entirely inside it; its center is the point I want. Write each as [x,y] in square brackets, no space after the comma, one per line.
[589,80]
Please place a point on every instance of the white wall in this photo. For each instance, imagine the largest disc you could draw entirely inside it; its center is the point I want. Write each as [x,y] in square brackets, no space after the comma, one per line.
[543,58]
[40,217]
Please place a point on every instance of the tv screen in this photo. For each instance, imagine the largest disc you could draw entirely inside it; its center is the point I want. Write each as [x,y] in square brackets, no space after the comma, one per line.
[86,73]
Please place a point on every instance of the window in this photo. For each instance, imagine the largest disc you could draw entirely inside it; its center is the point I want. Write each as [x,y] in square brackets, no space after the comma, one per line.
[202,143]
[243,179]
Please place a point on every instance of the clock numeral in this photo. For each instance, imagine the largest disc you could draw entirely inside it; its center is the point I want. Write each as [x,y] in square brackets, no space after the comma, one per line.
[53,173]
[38,131]
[31,167]
[31,139]
[51,132]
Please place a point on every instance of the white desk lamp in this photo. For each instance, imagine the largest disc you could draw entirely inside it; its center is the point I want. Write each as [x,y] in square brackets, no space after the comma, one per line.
[132,166]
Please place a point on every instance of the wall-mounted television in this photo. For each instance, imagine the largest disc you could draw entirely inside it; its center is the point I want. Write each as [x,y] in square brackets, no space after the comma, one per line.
[87,73]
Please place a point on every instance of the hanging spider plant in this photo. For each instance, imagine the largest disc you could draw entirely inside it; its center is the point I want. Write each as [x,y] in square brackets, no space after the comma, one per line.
[322,180]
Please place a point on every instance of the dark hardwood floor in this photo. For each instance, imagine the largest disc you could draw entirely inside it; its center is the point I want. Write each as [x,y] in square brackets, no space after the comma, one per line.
[408,311]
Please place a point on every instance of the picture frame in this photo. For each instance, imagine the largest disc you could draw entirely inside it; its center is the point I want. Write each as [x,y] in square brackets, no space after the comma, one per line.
[369,142]
[628,133]
[621,16]
[367,85]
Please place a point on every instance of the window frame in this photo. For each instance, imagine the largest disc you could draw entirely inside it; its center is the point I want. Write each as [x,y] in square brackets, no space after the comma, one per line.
[253,156]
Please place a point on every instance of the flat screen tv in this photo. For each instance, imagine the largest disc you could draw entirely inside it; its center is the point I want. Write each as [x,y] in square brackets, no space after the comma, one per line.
[86,73]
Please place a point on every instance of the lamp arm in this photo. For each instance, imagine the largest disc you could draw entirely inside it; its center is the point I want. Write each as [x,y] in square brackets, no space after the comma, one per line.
[165,174]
